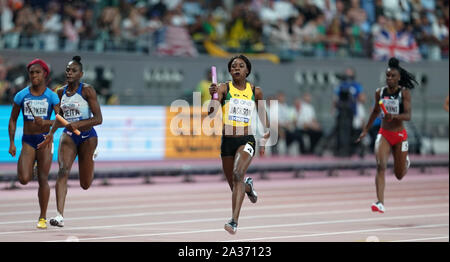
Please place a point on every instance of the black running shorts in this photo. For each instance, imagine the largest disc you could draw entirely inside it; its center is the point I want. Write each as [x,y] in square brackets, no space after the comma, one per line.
[230,145]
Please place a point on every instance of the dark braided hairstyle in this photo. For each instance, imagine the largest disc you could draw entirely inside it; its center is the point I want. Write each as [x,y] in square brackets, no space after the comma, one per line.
[407,79]
[77,59]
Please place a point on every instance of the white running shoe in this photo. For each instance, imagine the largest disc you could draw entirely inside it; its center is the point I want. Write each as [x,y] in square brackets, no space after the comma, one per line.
[252,195]
[57,221]
[231,227]
[378,207]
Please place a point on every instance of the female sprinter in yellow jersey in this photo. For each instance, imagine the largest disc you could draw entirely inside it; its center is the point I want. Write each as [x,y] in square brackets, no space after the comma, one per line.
[238,99]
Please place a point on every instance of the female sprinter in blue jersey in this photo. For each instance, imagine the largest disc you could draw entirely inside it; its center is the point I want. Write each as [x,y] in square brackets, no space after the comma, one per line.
[79,106]
[392,136]
[41,101]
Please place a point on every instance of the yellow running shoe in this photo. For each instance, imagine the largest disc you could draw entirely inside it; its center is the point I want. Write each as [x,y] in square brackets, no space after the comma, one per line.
[42,224]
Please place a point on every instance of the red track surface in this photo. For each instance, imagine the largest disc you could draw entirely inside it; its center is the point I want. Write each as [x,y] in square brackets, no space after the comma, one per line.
[314,209]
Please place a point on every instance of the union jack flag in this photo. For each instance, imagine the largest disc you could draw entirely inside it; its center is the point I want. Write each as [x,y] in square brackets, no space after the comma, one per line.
[177,42]
[401,45]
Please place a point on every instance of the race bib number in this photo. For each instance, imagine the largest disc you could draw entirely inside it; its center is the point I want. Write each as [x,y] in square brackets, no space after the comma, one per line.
[392,106]
[71,112]
[39,107]
[405,146]
[249,149]
[240,110]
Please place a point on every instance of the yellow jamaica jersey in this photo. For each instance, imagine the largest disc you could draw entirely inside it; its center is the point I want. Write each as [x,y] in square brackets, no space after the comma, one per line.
[238,105]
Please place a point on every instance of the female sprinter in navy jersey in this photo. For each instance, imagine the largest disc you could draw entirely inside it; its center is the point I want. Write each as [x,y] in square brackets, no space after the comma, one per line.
[79,106]
[392,135]
[238,98]
[41,101]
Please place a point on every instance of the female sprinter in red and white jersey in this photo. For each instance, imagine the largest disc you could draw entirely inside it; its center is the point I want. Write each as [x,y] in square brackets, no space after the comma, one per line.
[392,136]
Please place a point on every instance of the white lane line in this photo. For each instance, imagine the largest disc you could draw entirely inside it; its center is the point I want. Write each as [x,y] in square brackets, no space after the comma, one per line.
[29,202]
[301,192]
[206,210]
[271,226]
[420,239]
[338,233]
[298,214]
[218,202]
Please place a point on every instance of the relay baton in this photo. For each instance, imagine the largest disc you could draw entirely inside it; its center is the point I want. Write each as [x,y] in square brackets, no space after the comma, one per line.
[214,80]
[383,107]
[65,123]
[29,108]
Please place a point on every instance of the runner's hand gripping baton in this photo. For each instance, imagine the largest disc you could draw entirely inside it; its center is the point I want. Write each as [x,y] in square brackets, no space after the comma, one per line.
[29,108]
[65,123]
[214,80]
[383,107]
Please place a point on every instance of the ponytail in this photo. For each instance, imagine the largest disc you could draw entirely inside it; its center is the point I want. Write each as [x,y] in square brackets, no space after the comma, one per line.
[407,79]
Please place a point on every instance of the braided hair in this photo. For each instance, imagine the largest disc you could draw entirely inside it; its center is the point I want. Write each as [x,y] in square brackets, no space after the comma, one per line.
[407,79]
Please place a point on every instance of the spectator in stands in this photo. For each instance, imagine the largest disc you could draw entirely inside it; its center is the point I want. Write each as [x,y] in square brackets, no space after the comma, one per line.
[109,27]
[280,38]
[345,102]
[328,7]
[359,29]
[28,24]
[315,36]
[358,124]
[70,34]
[268,14]
[336,40]
[131,29]
[430,42]
[369,8]
[51,27]
[203,87]
[341,13]
[244,31]
[397,9]
[286,124]
[306,125]
[309,10]
[177,41]
[192,9]
[297,35]
[379,9]
[441,31]
[155,30]
[159,9]
[88,33]
[7,34]
[4,83]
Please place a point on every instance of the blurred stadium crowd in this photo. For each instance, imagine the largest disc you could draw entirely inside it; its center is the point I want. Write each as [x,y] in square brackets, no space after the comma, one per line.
[409,29]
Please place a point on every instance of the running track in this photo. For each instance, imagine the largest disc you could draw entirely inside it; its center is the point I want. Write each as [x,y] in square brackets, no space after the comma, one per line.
[315,209]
